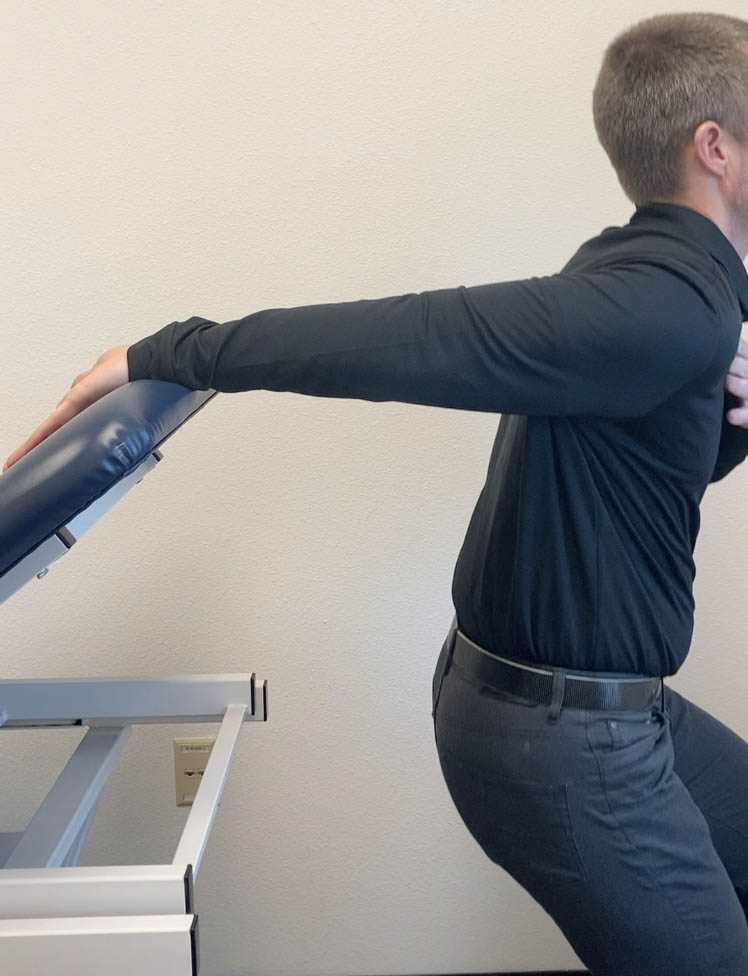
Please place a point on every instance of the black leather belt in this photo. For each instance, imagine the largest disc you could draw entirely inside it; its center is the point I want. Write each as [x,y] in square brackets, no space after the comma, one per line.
[581,689]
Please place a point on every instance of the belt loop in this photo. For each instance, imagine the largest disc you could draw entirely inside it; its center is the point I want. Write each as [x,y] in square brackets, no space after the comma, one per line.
[557,694]
[452,644]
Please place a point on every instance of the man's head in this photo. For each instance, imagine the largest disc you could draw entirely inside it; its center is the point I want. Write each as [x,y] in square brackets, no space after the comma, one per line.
[670,107]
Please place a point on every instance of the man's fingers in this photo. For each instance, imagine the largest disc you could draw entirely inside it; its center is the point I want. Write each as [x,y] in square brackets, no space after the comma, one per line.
[737,385]
[739,366]
[109,372]
[65,411]
[84,374]
[736,381]
[738,416]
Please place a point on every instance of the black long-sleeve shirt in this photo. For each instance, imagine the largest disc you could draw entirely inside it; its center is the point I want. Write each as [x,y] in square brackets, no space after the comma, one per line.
[609,377]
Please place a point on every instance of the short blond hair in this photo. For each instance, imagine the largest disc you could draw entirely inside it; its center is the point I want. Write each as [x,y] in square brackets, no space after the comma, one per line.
[659,80]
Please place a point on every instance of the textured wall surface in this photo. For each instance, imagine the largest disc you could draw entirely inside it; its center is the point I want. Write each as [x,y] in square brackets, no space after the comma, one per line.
[170,159]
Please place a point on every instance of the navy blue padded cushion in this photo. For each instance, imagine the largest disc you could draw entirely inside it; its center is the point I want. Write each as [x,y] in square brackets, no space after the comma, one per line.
[82,460]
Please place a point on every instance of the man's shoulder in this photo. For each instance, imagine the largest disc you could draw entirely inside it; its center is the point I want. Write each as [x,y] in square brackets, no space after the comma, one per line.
[641,245]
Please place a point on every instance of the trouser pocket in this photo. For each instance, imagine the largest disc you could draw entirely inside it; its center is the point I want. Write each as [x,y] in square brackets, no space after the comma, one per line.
[631,729]
[522,825]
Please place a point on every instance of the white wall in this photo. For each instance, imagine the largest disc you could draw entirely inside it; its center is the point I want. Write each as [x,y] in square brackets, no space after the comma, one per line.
[163,160]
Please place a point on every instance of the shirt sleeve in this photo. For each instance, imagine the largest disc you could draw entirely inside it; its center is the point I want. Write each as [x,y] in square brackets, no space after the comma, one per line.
[733,442]
[615,342]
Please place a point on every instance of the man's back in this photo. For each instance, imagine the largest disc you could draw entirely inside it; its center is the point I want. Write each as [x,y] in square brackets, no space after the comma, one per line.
[579,551]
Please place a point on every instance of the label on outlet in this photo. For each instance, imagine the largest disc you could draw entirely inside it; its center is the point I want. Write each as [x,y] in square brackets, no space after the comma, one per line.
[190,759]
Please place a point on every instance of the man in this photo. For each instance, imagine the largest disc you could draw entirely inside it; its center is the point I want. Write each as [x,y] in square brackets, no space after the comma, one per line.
[622,381]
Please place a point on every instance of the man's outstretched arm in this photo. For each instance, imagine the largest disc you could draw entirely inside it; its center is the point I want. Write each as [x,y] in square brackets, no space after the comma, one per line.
[615,342]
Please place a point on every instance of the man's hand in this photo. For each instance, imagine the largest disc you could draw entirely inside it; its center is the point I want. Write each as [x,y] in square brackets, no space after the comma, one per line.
[736,382]
[108,372]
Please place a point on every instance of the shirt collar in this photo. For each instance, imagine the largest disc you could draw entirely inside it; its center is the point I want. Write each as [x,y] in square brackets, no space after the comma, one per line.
[705,232]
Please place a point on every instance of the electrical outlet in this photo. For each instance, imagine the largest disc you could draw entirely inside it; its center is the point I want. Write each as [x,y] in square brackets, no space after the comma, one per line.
[190,759]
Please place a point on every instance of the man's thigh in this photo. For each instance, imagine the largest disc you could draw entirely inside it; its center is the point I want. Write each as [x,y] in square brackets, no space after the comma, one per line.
[590,818]
[712,762]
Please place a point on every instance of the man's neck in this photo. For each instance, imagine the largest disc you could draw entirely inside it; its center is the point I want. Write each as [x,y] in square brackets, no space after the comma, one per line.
[718,214]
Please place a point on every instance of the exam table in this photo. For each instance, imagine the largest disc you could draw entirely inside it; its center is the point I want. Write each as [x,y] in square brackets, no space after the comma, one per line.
[55,916]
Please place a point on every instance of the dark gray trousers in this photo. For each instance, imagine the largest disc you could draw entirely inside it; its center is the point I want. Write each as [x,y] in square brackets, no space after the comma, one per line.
[630,828]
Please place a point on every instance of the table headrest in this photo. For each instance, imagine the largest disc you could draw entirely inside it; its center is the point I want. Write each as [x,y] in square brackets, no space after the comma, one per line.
[84,458]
